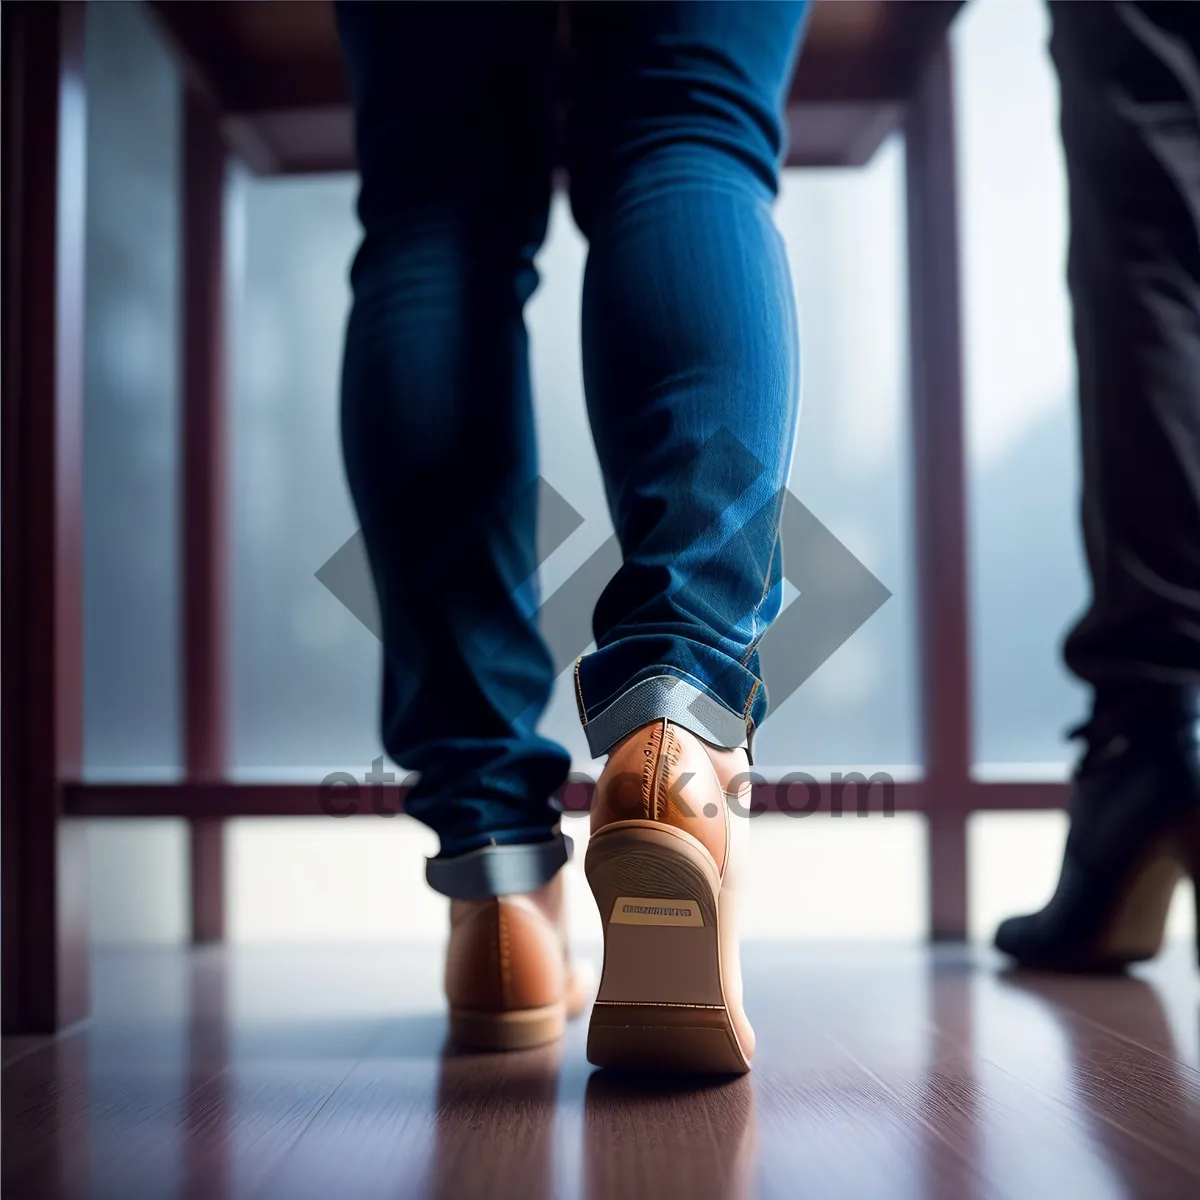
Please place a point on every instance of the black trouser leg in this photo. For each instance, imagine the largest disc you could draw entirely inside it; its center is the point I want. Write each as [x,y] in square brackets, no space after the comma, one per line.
[1130,82]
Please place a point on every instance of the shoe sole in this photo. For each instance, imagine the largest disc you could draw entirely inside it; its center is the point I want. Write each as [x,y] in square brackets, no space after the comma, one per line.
[661,1004]
[516,1029]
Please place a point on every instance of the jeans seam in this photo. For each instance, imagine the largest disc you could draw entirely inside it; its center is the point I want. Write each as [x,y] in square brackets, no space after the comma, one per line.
[583,717]
[756,637]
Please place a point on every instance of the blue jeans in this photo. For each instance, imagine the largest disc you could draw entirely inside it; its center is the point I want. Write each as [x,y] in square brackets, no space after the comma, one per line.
[672,141]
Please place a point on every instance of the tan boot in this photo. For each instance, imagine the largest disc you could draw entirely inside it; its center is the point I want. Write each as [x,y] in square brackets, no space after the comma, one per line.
[509,976]
[663,863]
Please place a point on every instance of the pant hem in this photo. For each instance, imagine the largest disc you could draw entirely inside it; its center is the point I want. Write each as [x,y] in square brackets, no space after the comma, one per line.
[681,702]
[499,870]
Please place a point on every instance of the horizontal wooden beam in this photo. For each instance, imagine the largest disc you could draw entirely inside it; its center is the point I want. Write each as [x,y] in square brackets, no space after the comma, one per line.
[261,58]
[1017,796]
[320,140]
[794,795]
[275,75]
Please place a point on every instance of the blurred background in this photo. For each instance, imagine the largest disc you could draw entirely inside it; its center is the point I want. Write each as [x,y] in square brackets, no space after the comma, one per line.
[305,671]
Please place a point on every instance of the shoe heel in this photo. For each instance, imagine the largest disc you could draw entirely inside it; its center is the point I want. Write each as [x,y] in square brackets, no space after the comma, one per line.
[1196,903]
[1137,926]
[1188,844]
[661,1003]
[516,1029]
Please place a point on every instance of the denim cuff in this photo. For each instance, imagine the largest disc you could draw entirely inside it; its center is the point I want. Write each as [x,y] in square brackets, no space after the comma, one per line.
[681,702]
[499,870]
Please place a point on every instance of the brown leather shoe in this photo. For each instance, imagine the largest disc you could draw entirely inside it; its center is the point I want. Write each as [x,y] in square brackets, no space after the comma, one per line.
[663,863]
[509,977]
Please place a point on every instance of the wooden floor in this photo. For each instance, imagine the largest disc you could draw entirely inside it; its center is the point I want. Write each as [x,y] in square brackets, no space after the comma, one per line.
[893,1073]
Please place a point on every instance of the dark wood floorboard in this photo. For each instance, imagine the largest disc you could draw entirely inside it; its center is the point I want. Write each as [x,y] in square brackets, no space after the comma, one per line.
[1110,1117]
[887,1072]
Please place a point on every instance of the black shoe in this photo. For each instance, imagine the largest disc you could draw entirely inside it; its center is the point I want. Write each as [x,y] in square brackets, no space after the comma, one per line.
[1135,831]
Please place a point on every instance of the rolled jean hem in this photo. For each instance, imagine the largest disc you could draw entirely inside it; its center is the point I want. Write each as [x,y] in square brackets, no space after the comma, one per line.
[679,701]
[488,871]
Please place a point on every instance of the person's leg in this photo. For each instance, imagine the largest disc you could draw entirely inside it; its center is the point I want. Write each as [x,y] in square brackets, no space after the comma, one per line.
[691,368]
[1130,85]
[690,351]
[453,107]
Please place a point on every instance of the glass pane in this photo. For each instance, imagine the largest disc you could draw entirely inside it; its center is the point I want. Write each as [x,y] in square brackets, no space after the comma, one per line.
[137,881]
[305,673]
[1026,566]
[131,366]
[362,880]
[844,231]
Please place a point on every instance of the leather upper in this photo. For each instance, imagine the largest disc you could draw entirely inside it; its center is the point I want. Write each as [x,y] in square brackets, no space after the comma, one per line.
[510,952]
[662,773]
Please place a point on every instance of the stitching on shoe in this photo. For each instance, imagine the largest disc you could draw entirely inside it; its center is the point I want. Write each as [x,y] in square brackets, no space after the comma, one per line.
[670,759]
[505,958]
[659,739]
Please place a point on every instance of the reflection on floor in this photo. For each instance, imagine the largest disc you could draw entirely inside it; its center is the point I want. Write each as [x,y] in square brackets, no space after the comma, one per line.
[893,1073]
